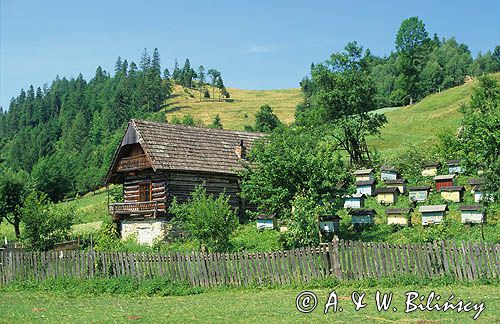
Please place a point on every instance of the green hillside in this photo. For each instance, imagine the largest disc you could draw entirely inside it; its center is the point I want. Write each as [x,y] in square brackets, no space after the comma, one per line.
[422,122]
[416,124]
[235,112]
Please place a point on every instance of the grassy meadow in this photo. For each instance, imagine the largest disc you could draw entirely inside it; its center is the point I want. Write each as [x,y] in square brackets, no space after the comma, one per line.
[243,305]
[235,112]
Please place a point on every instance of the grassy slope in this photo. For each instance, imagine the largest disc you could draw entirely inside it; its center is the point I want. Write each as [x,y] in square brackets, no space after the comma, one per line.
[416,124]
[238,111]
[422,122]
[239,306]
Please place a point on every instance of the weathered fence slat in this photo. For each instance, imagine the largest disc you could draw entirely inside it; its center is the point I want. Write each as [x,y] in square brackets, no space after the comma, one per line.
[340,259]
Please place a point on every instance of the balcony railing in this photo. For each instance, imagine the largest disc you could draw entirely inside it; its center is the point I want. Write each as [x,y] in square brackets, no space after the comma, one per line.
[132,163]
[143,207]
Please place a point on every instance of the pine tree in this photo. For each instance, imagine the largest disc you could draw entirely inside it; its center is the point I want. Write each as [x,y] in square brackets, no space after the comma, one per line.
[118,65]
[145,62]
[166,74]
[187,74]
[176,74]
[216,122]
[201,79]
[155,63]
[220,86]
[214,75]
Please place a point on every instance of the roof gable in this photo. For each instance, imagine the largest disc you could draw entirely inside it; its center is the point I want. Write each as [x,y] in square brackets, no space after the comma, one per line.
[186,148]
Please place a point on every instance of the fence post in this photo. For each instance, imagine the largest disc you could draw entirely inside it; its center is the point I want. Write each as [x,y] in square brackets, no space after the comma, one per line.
[335,257]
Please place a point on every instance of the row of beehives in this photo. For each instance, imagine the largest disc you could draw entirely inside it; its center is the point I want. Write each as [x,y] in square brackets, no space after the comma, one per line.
[431,214]
[394,186]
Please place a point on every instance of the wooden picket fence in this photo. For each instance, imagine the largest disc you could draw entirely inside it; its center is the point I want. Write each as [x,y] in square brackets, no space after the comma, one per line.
[345,260]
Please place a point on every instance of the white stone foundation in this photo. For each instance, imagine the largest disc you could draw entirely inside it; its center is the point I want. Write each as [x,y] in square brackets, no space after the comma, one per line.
[146,231]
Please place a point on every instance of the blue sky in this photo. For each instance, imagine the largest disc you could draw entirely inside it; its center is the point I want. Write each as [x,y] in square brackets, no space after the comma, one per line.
[255,44]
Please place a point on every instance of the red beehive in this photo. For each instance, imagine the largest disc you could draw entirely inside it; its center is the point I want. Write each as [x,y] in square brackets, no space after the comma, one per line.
[444,181]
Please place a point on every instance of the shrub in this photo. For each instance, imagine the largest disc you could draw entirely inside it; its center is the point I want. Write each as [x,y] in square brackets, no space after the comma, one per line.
[291,161]
[108,237]
[248,238]
[210,220]
[303,227]
[45,223]
[116,193]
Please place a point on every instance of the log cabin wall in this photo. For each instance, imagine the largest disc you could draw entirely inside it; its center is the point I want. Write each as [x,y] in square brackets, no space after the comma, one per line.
[182,184]
[158,191]
[167,185]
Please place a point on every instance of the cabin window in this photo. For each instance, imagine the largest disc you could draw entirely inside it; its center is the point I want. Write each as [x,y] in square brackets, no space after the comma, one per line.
[145,191]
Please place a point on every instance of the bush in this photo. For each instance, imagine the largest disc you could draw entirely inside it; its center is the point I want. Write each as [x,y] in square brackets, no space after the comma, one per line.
[116,194]
[291,161]
[248,238]
[210,220]
[45,223]
[108,237]
[303,227]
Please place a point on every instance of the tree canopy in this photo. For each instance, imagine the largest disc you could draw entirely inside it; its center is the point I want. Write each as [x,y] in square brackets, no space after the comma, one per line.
[341,99]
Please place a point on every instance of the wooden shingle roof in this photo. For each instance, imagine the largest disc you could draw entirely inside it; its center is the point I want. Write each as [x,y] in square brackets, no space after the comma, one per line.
[187,148]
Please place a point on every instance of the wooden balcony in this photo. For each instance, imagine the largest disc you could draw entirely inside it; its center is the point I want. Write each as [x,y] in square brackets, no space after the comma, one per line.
[144,207]
[138,162]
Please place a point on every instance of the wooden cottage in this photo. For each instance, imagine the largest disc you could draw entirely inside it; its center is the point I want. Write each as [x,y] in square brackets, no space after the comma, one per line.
[156,162]
[354,201]
[419,193]
[366,187]
[397,183]
[266,221]
[360,217]
[398,216]
[453,193]
[388,173]
[433,214]
[454,167]
[364,174]
[444,181]
[329,223]
[472,214]
[430,169]
[387,195]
